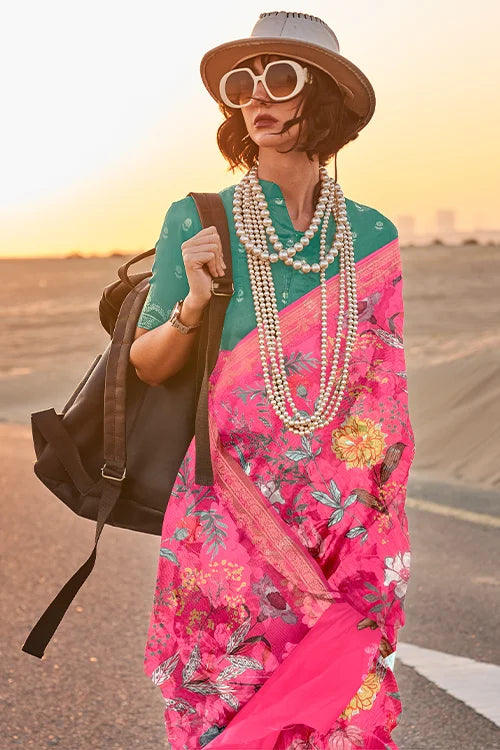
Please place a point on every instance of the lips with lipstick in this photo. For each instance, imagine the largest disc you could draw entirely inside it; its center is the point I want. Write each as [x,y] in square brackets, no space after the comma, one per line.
[263,121]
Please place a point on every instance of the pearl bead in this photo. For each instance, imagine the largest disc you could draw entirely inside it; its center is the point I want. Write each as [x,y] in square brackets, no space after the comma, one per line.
[331,390]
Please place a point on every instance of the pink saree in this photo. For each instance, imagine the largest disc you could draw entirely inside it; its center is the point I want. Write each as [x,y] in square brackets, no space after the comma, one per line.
[264,577]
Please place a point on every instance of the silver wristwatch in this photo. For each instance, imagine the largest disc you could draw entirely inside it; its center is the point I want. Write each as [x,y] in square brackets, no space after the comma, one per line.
[174,319]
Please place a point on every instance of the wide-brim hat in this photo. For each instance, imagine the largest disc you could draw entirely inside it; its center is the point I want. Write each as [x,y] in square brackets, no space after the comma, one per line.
[302,37]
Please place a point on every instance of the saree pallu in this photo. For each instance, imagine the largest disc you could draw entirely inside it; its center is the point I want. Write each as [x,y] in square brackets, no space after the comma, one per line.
[265,576]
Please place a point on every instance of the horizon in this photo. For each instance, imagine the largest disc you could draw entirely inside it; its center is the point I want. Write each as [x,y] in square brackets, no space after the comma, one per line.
[96,150]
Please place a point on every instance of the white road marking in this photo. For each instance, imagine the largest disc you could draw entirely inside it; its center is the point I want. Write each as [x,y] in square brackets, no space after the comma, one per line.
[476,683]
[448,510]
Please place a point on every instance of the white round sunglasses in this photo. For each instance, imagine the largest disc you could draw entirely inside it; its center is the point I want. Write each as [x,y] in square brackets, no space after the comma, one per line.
[282,80]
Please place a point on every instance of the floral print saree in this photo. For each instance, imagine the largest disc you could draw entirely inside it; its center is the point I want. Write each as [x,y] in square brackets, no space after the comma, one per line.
[264,577]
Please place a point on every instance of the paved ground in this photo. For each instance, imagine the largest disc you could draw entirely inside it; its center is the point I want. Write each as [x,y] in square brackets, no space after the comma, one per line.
[89,691]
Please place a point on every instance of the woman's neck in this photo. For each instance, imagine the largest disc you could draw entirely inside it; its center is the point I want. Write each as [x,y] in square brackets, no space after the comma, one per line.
[297,178]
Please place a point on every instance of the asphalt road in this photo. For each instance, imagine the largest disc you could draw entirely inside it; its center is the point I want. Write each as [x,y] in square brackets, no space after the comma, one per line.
[89,691]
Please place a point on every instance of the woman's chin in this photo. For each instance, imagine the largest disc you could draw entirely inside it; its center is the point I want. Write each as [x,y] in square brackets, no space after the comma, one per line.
[268,138]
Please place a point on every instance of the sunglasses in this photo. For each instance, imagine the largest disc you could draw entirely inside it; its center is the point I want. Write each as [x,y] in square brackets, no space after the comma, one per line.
[282,80]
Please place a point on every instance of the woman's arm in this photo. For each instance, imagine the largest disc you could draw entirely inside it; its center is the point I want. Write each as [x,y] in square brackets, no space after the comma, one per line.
[159,353]
[187,259]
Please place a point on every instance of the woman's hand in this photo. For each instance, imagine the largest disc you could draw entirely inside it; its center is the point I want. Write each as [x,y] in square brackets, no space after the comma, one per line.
[203,260]
[385,648]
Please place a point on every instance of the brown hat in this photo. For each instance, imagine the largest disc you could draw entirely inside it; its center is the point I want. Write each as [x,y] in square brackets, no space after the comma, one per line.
[302,37]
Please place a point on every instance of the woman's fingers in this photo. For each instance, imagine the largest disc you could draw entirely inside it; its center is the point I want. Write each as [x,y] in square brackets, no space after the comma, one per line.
[210,234]
[385,647]
[201,258]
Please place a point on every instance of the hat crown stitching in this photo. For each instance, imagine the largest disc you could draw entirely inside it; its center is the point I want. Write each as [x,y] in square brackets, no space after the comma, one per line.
[300,15]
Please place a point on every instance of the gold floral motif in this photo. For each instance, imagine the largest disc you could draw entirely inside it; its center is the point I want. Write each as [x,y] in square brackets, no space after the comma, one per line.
[364,698]
[358,442]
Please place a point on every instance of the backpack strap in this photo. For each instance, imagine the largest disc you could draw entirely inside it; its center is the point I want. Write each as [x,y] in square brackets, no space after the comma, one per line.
[212,213]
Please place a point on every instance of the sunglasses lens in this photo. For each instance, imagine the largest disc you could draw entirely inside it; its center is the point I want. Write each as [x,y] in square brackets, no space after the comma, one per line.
[239,87]
[281,79]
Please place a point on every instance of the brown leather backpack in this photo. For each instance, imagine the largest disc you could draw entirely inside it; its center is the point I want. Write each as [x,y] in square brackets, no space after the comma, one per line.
[113,453]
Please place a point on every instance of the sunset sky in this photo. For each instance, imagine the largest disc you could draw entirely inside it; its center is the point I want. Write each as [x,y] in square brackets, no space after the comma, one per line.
[105,119]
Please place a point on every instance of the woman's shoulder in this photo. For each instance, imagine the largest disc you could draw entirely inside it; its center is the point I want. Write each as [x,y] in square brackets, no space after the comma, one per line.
[369,220]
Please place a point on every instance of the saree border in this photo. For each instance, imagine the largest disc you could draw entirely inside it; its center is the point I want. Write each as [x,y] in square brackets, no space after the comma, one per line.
[265,528]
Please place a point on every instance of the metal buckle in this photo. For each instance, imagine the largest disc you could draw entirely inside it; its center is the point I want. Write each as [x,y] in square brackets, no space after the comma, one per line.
[115,479]
[222,294]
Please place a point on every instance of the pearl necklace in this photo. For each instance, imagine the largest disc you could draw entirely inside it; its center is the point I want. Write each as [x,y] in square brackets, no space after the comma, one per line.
[254,227]
[323,209]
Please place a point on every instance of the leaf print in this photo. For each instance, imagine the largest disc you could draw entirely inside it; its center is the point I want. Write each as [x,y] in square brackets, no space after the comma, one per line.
[336,517]
[191,665]
[250,393]
[350,500]
[355,531]
[239,634]
[179,705]
[335,492]
[388,338]
[322,497]
[186,224]
[243,462]
[391,460]
[245,662]
[298,362]
[296,455]
[203,687]
[178,272]
[165,669]
[249,641]
[213,527]
[166,552]
[370,500]
[279,201]
[240,294]
[239,664]
[181,534]
[230,700]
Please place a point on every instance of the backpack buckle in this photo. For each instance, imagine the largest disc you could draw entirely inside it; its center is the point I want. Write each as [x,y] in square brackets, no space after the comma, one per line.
[110,476]
[222,294]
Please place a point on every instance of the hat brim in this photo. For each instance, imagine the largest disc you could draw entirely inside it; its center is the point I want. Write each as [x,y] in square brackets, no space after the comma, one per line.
[220,59]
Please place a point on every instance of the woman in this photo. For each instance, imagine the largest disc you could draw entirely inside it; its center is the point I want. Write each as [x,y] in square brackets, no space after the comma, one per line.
[280,588]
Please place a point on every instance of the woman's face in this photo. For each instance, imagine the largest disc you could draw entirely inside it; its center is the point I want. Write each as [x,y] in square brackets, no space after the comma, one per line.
[266,132]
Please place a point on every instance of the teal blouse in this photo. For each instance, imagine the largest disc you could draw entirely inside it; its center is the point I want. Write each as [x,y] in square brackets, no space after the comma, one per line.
[169,283]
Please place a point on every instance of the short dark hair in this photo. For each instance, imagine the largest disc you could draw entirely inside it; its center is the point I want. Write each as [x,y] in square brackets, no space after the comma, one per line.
[331,123]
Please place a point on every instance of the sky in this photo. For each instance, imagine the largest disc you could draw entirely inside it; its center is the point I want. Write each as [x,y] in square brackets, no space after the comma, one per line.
[105,119]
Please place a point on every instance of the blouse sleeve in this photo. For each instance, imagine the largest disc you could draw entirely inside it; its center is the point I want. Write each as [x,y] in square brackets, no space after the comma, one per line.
[169,282]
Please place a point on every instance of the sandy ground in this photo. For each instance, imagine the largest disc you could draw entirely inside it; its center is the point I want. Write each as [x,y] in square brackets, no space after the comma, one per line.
[51,334]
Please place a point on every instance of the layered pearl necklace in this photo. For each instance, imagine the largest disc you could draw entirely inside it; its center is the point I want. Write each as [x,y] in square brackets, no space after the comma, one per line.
[254,228]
